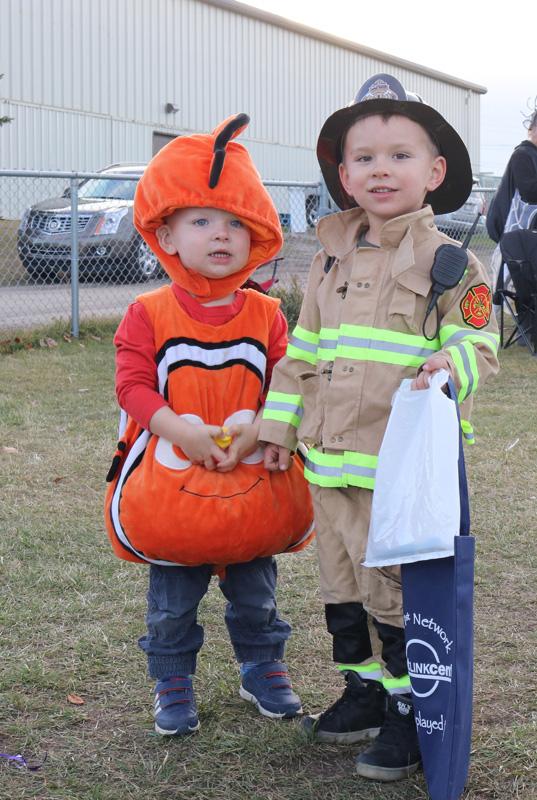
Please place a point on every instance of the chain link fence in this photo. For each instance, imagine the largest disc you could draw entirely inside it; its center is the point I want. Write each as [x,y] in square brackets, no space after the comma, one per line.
[70,255]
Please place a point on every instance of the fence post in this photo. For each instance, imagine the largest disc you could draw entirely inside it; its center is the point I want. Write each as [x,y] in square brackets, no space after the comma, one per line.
[75,322]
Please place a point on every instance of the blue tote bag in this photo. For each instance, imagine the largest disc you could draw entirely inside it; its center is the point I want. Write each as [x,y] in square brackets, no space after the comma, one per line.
[438,614]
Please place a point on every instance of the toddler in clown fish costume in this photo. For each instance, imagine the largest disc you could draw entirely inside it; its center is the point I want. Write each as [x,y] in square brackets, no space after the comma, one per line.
[188,491]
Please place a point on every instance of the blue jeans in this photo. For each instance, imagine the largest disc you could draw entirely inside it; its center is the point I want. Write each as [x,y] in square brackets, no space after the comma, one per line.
[174,636]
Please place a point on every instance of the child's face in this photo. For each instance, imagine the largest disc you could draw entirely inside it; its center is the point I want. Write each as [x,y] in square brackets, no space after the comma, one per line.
[389,166]
[209,241]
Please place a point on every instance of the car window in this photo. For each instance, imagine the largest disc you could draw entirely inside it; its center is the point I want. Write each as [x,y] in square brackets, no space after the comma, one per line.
[110,189]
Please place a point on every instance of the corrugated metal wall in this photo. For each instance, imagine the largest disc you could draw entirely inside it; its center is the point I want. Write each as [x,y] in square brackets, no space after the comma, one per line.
[87,81]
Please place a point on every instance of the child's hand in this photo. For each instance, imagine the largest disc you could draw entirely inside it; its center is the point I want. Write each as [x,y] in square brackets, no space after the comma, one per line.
[244,443]
[195,440]
[277,458]
[430,368]
[198,445]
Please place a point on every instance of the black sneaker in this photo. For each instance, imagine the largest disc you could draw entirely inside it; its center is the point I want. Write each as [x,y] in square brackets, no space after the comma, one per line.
[357,715]
[395,753]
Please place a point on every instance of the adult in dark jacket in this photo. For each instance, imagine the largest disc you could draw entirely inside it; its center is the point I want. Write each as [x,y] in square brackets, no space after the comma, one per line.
[519,182]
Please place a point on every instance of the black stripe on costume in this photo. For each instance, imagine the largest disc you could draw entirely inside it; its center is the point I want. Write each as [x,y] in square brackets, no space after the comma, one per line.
[119,488]
[209,345]
[213,367]
[222,497]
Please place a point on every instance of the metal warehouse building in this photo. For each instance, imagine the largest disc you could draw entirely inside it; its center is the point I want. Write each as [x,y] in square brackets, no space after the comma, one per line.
[92,82]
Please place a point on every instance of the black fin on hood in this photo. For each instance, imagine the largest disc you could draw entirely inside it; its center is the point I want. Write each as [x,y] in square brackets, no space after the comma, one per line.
[220,144]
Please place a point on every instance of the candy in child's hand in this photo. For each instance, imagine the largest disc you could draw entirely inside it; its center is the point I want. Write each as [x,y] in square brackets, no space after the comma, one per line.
[223,441]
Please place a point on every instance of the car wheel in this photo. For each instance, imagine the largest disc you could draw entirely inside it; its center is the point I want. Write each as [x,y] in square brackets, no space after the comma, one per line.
[39,270]
[312,210]
[144,264]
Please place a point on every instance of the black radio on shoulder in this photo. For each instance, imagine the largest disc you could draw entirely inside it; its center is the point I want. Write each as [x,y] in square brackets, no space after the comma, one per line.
[449,267]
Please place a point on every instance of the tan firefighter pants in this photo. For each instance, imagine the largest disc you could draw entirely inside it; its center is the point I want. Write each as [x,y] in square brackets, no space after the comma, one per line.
[341,528]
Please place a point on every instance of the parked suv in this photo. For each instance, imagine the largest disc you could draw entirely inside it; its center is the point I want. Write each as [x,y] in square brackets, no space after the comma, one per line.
[109,245]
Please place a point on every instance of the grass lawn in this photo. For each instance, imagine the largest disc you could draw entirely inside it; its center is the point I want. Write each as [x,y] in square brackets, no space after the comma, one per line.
[71,614]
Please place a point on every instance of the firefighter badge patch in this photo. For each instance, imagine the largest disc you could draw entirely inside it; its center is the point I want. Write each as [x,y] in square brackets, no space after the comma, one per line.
[476,306]
[380,90]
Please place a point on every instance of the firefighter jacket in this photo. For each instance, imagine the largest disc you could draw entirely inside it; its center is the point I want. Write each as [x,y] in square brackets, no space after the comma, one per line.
[360,332]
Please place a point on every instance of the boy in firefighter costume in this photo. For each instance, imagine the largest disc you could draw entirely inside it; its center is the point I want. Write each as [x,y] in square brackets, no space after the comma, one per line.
[189,493]
[390,162]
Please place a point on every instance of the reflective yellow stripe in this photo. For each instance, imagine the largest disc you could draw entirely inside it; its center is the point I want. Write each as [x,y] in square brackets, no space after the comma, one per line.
[411,340]
[460,344]
[284,408]
[372,667]
[303,345]
[361,343]
[467,432]
[371,344]
[305,335]
[393,684]
[300,354]
[381,356]
[367,672]
[464,359]
[341,469]
[452,334]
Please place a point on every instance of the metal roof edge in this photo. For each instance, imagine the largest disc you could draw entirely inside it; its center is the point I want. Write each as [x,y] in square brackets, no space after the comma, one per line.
[315,33]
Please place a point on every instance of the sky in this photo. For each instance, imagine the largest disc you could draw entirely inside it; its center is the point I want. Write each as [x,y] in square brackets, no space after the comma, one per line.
[482,43]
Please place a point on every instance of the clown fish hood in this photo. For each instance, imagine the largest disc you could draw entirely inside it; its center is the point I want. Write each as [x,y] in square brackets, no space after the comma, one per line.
[208,171]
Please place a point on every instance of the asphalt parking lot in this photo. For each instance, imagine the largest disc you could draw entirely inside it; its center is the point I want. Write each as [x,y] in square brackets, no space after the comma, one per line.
[36,305]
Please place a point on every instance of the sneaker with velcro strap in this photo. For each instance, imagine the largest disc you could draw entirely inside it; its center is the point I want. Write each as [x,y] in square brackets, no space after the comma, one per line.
[268,687]
[175,707]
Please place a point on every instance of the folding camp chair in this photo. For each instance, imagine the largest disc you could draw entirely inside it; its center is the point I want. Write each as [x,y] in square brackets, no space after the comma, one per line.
[264,286]
[519,255]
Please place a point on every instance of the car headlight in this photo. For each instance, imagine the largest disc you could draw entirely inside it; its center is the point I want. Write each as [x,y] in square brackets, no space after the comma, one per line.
[24,221]
[110,222]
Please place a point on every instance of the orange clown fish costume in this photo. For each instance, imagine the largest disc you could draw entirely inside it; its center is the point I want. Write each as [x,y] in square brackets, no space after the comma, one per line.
[160,508]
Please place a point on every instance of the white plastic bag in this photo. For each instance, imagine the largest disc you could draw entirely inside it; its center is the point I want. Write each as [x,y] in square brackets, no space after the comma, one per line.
[416,504]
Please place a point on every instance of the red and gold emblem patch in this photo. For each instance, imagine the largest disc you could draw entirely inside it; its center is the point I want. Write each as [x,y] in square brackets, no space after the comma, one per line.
[476,306]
